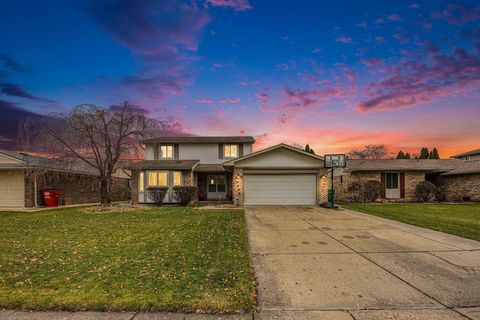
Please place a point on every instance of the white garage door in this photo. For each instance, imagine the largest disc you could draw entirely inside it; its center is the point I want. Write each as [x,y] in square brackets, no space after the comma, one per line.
[12,189]
[280,189]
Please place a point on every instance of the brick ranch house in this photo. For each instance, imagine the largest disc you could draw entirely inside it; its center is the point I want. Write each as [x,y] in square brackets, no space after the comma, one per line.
[22,176]
[458,180]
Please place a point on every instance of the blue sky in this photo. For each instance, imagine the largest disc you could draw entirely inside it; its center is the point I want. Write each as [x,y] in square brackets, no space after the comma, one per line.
[336,75]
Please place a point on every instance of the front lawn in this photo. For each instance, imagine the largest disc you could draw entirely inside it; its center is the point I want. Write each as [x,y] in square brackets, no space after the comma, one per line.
[175,259]
[459,219]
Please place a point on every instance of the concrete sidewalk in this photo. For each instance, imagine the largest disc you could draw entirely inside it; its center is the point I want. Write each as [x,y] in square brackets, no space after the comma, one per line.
[314,263]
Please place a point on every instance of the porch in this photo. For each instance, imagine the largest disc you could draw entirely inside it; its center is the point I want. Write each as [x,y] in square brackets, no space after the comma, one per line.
[214,183]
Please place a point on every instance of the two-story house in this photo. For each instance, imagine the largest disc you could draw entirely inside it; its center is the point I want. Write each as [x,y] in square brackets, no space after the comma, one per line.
[226,169]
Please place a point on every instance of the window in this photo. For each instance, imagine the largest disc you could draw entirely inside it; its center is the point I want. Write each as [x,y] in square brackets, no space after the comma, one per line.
[157,179]
[230,151]
[177,178]
[141,182]
[166,152]
[391,181]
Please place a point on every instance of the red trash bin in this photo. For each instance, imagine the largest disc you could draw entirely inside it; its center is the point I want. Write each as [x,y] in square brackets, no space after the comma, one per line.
[51,197]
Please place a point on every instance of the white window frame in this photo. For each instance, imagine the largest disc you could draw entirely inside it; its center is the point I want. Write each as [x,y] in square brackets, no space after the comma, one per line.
[164,154]
[173,178]
[141,181]
[157,172]
[229,148]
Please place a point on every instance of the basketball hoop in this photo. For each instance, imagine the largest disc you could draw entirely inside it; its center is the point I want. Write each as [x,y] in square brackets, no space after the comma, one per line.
[333,161]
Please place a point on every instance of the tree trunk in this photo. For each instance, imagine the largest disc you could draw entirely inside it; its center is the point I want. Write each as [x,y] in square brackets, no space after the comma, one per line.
[105,190]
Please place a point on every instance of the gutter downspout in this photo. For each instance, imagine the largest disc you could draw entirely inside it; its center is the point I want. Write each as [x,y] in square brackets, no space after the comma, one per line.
[35,191]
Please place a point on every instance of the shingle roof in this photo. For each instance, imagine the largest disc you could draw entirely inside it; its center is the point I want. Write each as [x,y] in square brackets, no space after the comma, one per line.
[469,153]
[227,139]
[438,165]
[163,165]
[465,167]
[54,164]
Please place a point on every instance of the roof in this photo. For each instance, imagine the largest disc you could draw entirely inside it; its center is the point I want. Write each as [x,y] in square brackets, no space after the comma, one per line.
[199,139]
[465,167]
[278,146]
[163,165]
[54,164]
[468,153]
[209,168]
[438,165]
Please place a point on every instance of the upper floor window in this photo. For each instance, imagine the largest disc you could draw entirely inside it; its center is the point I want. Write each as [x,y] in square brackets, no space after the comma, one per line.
[166,152]
[230,151]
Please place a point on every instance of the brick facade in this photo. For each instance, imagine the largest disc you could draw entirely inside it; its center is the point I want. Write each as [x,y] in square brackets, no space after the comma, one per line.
[78,188]
[465,187]
[341,184]
[237,193]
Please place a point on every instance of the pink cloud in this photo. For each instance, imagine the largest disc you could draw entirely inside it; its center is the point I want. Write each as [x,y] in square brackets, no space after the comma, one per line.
[394,17]
[402,37]
[379,39]
[412,83]
[372,62]
[458,13]
[344,39]
[204,101]
[295,100]
[248,83]
[238,5]
[229,100]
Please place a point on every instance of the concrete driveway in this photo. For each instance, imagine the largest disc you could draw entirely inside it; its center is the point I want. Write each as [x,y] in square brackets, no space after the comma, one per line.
[314,263]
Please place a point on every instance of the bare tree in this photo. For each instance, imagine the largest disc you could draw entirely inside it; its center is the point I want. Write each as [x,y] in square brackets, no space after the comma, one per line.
[371,151]
[98,137]
[297,145]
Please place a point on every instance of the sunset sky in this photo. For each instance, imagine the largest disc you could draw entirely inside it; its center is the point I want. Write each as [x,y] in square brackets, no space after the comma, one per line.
[334,74]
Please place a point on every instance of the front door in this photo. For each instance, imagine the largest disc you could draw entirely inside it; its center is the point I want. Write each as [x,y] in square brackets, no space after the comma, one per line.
[392,189]
[217,187]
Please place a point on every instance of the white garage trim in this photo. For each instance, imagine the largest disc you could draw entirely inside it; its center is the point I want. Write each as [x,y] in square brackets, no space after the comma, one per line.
[280,189]
[12,189]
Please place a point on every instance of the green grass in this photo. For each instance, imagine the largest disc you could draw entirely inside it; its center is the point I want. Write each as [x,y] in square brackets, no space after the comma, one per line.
[459,219]
[174,259]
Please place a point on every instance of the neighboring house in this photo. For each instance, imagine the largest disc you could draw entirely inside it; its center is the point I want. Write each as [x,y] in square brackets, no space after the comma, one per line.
[470,155]
[22,176]
[457,179]
[226,169]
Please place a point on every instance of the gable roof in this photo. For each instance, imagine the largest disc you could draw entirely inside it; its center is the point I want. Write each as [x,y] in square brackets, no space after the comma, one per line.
[276,147]
[438,165]
[468,153]
[199,139]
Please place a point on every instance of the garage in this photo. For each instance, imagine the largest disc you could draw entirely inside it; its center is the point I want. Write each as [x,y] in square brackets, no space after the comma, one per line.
[280,189]
[12,189]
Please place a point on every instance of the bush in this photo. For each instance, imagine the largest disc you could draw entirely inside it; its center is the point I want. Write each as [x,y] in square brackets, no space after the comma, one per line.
[157,194]
[372,189]
[426,191]
[185,194]
[355,193]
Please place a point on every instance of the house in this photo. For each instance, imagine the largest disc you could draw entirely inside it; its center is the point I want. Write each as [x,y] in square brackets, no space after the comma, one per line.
[23,175]
[458,180]
[227,169]
[470,155]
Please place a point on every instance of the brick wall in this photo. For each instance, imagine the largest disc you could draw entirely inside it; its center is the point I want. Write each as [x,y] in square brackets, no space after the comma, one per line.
[134,187]
[78,188]
[237,192]
[341,184]
[458,187]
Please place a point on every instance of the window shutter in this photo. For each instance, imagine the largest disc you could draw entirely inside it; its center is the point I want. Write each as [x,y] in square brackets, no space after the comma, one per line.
[382,178]
[402,184]
[155,151]
[176,151]
[220,151]
[240,150]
